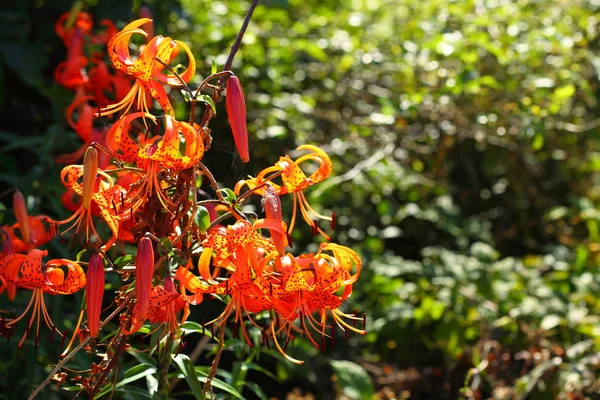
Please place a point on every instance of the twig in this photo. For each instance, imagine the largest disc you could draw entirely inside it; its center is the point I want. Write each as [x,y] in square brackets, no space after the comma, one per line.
[567,126]
[358,168]
[238,41]
[215,364]
[165,363]
[81,345]
[212,181]
[187,88]
[208,113]
[223,74]
[113,362]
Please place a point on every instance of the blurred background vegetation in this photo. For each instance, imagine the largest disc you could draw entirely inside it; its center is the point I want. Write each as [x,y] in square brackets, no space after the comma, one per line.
[466,155]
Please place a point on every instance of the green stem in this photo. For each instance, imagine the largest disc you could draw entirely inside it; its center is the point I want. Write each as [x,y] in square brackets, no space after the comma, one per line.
[164,363]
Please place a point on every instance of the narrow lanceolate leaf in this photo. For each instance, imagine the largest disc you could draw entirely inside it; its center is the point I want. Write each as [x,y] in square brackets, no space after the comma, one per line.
[144,270]
[236,112]
[94,293]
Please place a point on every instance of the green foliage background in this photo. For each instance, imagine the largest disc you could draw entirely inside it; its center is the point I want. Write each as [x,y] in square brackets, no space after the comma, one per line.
[465,141]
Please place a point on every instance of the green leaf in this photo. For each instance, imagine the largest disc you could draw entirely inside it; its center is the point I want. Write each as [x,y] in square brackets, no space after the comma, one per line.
[124,260]
[78,257]
[213,67]
[538,141]
[202,218]
[204,98]
[133,374]
[563,93]
[166,246]
[26,60]
[228,194]
[186,95]
[190,373]
[353,380]
[194,327]
[187,369]
[253,386]
[143,358]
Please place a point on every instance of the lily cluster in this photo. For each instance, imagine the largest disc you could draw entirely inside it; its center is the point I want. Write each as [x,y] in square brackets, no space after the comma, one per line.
[141,177]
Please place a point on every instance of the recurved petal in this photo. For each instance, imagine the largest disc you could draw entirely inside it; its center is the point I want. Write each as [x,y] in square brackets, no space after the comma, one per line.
[318,155]
[25,271]
[292,176]
[143,67]
[63,277]
[348,259]
[186,75]
[118,46]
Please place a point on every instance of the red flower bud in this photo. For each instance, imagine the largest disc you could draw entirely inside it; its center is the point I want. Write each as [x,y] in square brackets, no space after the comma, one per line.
[94,289]
[144,271]
[272,205]
[21,214]
[90,169]
[236,112]
[169,284]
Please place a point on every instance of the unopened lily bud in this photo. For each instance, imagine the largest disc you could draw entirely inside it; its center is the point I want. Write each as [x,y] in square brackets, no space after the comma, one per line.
[94,289]
[169,284]
[90,169]
[21,214]
[236,112]
[272,205]
[144,271]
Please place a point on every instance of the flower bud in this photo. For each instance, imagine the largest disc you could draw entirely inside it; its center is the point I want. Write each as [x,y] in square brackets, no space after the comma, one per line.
[94,289]
[144,271]
[21,214]
[90,169]
[169,284]
[272,205]
[236,112]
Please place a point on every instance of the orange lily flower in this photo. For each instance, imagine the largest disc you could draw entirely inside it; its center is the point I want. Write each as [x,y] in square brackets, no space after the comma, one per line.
[29,272]
[32,230]
[307,285]
[110,30]
[237,248]
[163,305]
[84,127]
[96,186]
[83,24]
[101,82]
[159,152]
[294,181]
[145,69]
